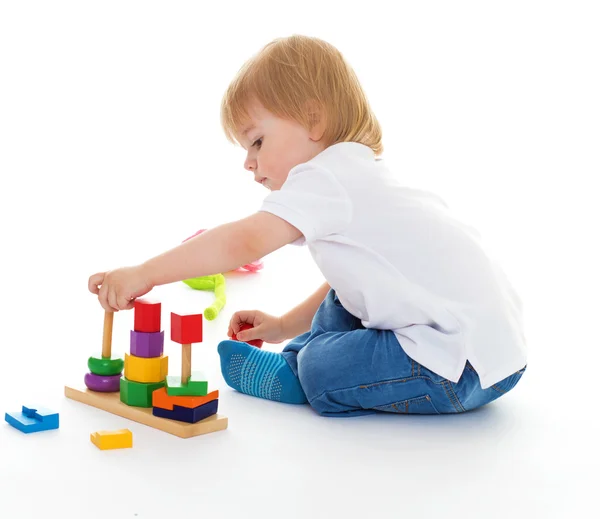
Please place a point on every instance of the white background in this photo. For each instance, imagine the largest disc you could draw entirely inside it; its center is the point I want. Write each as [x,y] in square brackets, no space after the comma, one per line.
[111,151]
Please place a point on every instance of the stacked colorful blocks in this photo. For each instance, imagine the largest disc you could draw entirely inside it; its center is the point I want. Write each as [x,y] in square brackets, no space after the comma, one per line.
[146,366]
[185,398]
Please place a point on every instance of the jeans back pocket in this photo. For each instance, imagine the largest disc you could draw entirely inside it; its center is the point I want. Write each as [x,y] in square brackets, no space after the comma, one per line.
[417,405]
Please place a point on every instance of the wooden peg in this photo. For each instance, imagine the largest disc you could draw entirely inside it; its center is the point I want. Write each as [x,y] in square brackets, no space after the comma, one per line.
[186,363]
[107,335]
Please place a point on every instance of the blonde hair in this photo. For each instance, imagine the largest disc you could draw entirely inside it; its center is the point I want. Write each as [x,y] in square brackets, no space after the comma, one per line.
[291,74]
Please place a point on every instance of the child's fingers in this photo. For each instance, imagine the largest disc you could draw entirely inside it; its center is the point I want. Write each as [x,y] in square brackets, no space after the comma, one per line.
[231,329]
[112,300]
[124,303]
[241,318]
[103,298]
[94,282]
[250,334]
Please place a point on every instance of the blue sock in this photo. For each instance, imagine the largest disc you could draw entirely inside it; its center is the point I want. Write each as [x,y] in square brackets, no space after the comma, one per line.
[261,373]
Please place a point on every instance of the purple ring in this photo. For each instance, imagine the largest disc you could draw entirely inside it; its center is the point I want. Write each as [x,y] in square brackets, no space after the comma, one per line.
[105,384]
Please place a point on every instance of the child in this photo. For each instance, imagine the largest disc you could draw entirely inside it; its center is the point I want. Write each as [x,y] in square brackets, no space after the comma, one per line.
[414,317]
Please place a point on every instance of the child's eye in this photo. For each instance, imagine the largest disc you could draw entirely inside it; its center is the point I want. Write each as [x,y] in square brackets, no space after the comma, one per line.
[257,143]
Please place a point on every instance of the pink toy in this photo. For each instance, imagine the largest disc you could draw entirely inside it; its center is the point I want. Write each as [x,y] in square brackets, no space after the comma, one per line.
[255,266]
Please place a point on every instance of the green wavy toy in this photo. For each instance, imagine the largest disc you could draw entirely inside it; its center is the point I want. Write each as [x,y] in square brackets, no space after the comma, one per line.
[214,283]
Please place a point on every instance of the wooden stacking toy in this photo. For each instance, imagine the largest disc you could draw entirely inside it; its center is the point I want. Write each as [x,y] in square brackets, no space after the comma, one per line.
[105,371]
[145,393]
[185,398]
[146,366]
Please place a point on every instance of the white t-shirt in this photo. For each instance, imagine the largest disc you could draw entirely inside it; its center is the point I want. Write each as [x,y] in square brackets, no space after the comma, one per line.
[398,260]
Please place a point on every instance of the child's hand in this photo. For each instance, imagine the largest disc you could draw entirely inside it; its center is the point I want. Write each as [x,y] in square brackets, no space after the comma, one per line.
[117,289]
[265,327]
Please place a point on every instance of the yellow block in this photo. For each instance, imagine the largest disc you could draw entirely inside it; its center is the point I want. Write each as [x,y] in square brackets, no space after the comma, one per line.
[146,370]
[104,440]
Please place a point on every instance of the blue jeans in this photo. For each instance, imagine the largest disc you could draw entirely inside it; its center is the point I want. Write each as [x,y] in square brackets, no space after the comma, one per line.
[346,369]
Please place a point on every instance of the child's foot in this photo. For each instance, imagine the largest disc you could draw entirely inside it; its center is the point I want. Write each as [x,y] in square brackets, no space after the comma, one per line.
[259,373]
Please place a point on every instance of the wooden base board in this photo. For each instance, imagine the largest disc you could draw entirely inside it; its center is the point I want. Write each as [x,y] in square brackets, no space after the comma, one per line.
[111,403]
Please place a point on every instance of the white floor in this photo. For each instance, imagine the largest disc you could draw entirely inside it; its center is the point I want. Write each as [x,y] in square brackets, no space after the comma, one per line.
[111,152]
[533,453]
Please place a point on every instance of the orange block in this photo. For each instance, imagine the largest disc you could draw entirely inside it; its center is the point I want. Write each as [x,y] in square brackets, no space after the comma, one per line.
[164,401]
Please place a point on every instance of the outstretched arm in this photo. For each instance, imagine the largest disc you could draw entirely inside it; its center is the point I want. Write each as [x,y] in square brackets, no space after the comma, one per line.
[221,249]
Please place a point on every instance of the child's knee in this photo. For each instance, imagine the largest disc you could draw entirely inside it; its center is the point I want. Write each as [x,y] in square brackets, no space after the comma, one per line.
[315,370]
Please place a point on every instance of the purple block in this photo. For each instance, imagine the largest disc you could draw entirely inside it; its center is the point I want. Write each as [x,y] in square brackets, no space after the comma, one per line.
[147,344]
[105,384]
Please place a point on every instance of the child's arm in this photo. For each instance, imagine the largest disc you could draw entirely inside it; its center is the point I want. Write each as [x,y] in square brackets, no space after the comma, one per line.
[299,319]
[221,249]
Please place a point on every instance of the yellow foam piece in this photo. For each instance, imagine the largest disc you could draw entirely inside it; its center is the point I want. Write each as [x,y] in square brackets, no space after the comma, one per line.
[105,440]
[146,370]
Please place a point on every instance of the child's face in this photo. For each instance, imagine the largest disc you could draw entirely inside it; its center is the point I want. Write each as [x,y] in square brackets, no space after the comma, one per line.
[276,145]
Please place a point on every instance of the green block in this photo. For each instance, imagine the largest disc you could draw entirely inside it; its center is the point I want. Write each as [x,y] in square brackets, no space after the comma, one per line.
[194,387]
[138,394]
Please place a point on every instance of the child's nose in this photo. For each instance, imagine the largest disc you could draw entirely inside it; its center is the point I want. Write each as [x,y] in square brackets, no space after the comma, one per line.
[250,164]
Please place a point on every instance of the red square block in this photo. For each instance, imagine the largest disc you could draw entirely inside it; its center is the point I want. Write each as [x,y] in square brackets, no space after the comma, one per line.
[146,316]
[186,329]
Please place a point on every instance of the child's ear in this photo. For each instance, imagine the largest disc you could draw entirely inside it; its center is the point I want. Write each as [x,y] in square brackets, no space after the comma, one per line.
[316,118]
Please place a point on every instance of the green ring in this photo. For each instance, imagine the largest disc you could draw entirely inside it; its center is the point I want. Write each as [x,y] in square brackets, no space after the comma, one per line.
[105,366]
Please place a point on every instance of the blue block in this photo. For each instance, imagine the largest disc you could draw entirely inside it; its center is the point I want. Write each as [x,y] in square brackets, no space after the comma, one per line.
[33,419]
[188,414]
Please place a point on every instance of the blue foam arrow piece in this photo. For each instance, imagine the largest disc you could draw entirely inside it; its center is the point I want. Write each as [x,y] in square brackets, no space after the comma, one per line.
[32,419]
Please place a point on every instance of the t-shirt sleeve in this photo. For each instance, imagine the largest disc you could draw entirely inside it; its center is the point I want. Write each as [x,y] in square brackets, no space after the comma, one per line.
[312,200]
